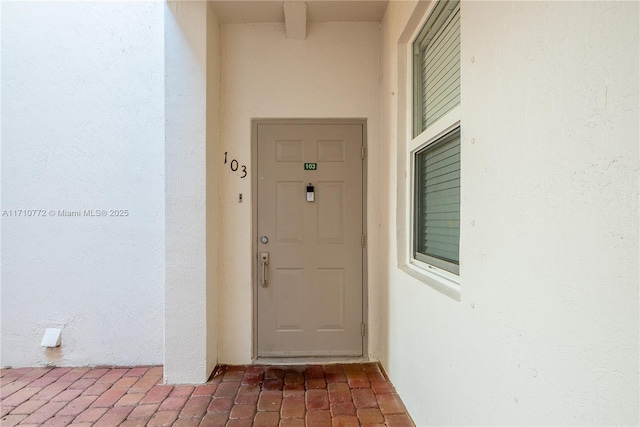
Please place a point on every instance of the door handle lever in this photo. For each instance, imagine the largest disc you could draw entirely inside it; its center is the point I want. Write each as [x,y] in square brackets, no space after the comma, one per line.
[264,260]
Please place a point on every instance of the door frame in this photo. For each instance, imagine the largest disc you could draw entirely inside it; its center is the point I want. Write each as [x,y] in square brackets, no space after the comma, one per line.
[254,227]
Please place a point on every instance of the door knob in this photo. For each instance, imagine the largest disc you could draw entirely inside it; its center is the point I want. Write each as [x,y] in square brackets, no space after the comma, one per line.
[264,239]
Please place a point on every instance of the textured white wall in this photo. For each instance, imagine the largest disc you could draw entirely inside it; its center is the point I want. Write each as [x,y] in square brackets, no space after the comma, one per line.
[191,45]
[213,184]
[546,332]
[83,128]
[333,73]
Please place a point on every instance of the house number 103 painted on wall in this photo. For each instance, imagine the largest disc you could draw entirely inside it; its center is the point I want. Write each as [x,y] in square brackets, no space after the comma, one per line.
[234,165]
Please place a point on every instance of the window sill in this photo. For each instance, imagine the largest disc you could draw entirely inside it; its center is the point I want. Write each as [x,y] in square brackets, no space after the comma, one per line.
[436,282]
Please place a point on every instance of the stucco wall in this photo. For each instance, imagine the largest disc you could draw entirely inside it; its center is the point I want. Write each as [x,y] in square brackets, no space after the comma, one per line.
[546,332]
[213,184]
[83,128]
[333,73]
[192,75]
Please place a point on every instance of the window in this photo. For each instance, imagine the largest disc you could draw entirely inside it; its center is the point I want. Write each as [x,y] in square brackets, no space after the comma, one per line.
[437,203]
[437,66]
[435,147]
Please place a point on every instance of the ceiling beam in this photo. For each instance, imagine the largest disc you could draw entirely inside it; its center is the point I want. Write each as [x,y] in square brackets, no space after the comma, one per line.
[295,19]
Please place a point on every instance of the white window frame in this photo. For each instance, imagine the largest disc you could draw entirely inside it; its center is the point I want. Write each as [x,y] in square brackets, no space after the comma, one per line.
[445,124]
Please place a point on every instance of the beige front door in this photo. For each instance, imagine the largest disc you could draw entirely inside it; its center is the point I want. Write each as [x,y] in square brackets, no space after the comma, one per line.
[309,291]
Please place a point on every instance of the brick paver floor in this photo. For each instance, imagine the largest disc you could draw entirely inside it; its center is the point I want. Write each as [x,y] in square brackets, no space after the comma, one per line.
[335,395]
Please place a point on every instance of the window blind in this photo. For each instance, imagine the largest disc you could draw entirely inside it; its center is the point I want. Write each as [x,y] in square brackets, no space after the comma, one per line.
[437,215]
[437,65]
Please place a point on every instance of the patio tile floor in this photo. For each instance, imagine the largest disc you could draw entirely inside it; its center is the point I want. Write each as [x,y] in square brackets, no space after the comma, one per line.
[333,395]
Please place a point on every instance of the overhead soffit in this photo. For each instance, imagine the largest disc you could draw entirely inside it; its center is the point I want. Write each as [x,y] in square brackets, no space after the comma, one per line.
[240,11]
